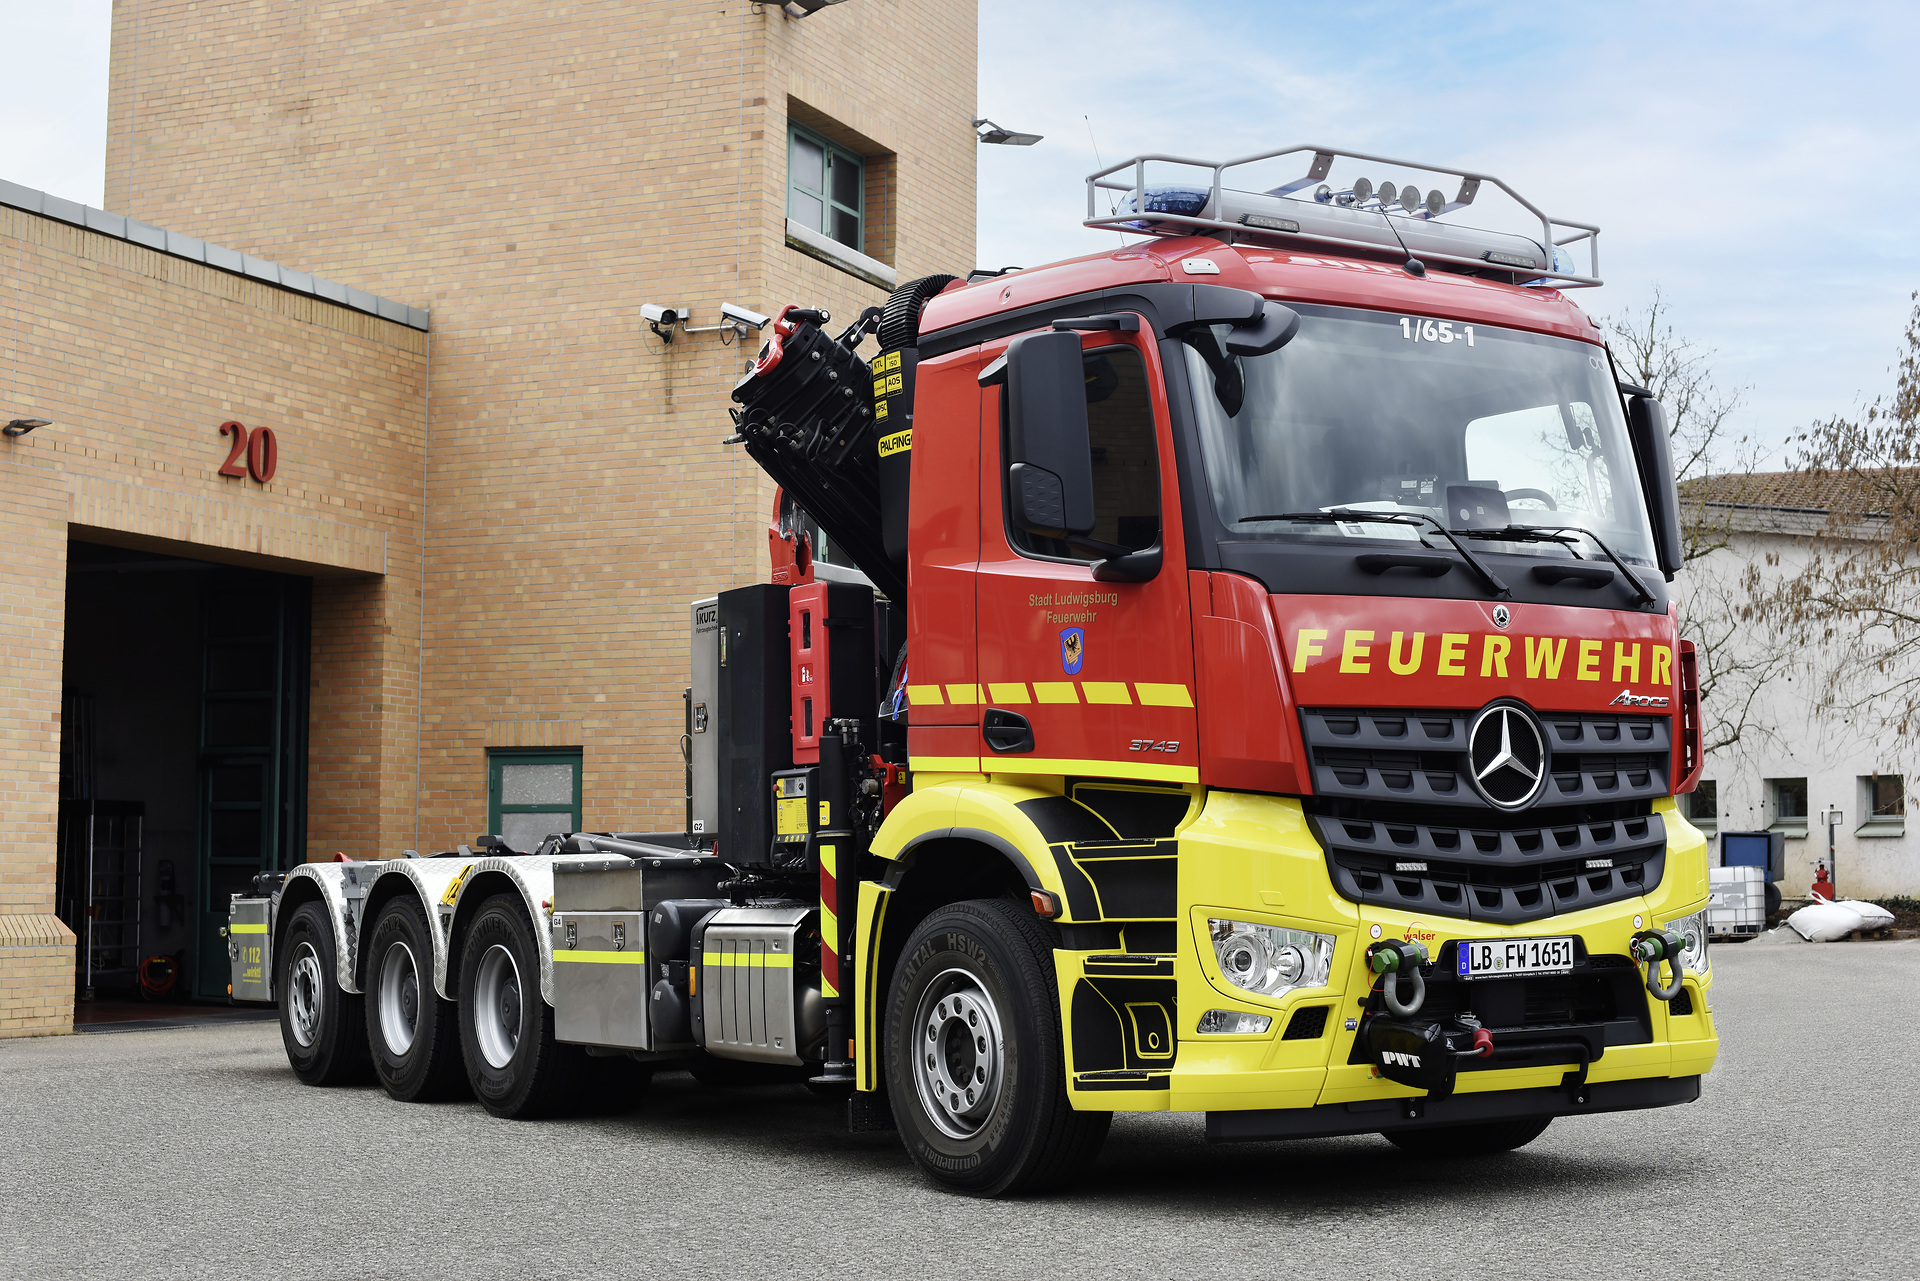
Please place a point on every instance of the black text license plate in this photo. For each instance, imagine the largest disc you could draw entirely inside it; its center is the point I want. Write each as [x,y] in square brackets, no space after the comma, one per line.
[1513,958]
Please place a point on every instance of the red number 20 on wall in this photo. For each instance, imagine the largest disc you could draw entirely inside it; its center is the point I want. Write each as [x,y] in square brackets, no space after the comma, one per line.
[260,448]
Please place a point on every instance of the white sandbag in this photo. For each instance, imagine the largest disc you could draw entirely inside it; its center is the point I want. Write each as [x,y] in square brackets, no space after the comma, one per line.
[1824,922]
[1872,915]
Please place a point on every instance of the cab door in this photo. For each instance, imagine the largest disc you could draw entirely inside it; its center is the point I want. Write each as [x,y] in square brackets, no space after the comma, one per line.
[1101,672]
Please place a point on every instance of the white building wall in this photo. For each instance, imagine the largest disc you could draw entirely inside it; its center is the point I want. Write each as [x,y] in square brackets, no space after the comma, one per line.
[1789,738]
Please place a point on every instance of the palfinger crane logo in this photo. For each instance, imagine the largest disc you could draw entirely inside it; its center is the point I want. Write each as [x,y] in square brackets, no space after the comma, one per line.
[1073,650]
[1508,756]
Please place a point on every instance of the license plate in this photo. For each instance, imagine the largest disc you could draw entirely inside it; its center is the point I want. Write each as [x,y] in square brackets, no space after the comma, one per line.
[1512,958]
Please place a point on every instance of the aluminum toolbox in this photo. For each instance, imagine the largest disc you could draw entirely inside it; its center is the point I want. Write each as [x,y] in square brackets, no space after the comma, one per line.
[602,975]
[250,948]
[754,1001]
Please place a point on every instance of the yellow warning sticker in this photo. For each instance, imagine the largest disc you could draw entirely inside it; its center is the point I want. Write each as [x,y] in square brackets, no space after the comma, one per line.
[790,816]
[878,364]
[880,410]
[898,443]
[894,382]
[879,388]
[893,360]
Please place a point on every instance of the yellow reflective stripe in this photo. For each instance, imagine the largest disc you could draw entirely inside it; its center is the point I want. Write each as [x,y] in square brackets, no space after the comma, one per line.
[961,695]
[1016,692]
[599,957]
[944,764]
[828,988]
[1056,692]
[1106,692]
[1096,769]
[1163,695]
[924,695]
[246,929]
[752,960]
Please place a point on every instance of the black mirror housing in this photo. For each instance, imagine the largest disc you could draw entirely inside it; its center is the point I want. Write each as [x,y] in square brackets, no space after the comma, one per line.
[1049,454]
[1653,455]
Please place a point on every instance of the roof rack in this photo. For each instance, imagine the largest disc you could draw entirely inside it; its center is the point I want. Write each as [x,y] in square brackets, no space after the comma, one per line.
[1356,218]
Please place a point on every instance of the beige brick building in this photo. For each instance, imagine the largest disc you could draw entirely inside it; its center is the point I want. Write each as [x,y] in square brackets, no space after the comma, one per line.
[482,531]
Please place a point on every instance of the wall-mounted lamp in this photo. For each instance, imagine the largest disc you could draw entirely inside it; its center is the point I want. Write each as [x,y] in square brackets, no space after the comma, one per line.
[795,8]
[998,136]
[21,426]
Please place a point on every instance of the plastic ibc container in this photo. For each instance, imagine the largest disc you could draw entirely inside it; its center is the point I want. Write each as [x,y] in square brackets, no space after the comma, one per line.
[1737,900]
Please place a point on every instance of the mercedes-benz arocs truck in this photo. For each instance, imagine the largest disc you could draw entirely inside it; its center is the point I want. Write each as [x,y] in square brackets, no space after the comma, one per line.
[1243,681]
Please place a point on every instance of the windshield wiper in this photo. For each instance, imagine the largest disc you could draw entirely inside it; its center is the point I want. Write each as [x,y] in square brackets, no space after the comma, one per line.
[1545,534]
[1348,515]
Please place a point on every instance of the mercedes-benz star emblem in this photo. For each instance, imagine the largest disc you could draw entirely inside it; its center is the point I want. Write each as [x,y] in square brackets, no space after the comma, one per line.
[1501,617]
[1508,756]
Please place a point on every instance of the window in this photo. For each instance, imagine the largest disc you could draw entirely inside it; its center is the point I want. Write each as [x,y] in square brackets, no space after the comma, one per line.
[1788,797]
[826,188]
[1126,468]
[1883,799]
[532,795]
[1703,805]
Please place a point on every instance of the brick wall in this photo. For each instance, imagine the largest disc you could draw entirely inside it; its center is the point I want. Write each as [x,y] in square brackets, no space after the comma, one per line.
[138,358]
[533,175]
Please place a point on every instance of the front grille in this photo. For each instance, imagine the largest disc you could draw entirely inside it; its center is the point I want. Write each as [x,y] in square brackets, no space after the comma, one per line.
[1502,868]
[1420,757]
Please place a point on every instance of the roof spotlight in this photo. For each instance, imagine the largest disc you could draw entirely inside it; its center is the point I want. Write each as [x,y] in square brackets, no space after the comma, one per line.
[1409,197]
[1362,191]
[1436,203]
[21,426]
[1323,193]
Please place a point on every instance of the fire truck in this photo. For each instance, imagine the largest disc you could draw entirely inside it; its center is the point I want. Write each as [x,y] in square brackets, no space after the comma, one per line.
[1234,673]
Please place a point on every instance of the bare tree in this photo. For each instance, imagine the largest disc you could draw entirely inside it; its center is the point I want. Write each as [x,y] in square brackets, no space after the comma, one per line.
[1714,610]
[1858,595]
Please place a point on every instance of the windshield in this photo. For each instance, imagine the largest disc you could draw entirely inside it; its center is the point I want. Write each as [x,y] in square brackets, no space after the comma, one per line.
[1479,427]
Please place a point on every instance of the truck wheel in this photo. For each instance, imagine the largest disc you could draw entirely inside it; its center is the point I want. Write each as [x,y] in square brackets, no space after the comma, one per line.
[323,1028]
[413,1034]
[975,1069]
[515,1066]
[1483,1139]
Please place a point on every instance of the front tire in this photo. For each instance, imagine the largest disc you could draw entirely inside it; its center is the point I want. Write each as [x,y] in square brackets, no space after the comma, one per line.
[1485,1138]
[322,1027]
[414,1036]
[516,1068]
[975,1068]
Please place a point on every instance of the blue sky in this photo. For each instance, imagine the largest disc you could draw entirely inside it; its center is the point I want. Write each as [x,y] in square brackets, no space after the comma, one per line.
[1756,162]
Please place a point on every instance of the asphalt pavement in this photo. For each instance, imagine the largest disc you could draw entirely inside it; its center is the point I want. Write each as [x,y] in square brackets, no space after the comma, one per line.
[194,1152]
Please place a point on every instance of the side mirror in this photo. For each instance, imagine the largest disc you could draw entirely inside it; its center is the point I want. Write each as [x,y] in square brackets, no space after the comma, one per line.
[1653,454]
[1050,459]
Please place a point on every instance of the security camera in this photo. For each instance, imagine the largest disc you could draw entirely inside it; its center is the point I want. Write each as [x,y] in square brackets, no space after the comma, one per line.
[751,319]
[656,315]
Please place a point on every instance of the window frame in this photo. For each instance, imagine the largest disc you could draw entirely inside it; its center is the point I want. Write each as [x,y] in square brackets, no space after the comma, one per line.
[831,151]
[500,757]
[1872,822]
[1792,826]
[1704,822]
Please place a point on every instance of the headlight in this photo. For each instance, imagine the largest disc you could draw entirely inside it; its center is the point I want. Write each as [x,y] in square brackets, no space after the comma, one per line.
[1270,961]
[1693,931]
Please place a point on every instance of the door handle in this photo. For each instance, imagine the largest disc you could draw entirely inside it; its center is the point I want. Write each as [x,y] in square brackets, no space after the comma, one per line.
[1006,732]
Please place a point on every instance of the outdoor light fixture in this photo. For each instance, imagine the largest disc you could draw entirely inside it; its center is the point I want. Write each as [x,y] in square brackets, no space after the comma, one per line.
[993,133]
[21,426]
[796,8]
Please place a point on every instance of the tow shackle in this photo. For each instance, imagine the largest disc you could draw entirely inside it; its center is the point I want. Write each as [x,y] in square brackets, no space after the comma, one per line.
[1650,948]
[1394,960]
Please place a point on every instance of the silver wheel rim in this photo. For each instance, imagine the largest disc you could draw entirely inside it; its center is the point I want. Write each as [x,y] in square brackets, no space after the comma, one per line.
[959,1054]
[305,985]
[399,999]
[497,1009]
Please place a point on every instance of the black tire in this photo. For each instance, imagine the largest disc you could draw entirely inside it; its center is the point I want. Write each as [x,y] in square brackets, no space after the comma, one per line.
[516,1068]
[1482,1139]
[984,966]
[322,1027]
[413,1035]
[900,318]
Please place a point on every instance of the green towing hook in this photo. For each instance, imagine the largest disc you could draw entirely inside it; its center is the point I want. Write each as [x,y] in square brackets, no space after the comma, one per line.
[1394,960]
[1650,948]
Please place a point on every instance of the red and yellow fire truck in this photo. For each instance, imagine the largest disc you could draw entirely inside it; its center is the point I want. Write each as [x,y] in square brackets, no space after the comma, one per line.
[1230,674]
